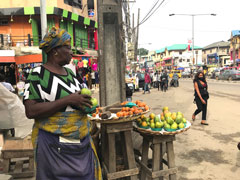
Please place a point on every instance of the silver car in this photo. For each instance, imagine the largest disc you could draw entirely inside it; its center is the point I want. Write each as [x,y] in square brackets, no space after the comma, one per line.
[230,75]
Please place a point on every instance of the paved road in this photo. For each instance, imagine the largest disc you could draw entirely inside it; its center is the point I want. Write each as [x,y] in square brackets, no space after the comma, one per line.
[204,152]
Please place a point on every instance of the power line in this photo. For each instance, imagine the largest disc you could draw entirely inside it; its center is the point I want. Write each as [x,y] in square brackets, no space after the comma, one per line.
[152,12]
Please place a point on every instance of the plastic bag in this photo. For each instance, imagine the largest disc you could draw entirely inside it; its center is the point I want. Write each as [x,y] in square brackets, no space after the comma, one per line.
[12,114]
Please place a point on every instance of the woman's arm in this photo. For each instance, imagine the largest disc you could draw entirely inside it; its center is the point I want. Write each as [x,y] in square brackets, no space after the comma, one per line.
[36,110]
[198,92]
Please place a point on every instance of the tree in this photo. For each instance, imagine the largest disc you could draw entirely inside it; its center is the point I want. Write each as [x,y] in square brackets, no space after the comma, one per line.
[142,51]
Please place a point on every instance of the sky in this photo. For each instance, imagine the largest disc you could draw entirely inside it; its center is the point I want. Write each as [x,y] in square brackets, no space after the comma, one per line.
[162,30]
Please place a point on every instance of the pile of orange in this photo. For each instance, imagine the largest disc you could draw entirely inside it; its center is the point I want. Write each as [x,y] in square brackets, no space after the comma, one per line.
[142,104]
[127,111]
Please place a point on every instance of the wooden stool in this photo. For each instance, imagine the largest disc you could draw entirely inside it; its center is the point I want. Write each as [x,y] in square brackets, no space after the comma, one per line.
[108,150]
[158,143]
[18,149]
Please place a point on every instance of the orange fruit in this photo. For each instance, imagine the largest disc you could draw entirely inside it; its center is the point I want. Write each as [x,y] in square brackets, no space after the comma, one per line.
[127,109]
[144,124]
[136,111]
[130,113]
[142,116]
[119,114]
[143,104]
[146,108]
[123,109]
[140,110]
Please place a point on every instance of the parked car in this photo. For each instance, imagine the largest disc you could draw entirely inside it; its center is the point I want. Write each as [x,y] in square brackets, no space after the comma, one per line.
[186,74]
[230,75]
[215,74]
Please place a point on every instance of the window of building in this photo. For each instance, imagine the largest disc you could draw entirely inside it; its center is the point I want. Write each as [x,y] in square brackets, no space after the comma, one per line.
[74,3]
[180,60]
[4,22]
[223,50]
[210,51]
[196,52]
[188,60]
[227,51]
[180,53]
[90,4]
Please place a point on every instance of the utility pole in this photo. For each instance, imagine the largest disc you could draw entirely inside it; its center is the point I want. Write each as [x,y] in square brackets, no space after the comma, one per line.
[136,38]
[193,59]
[43,25]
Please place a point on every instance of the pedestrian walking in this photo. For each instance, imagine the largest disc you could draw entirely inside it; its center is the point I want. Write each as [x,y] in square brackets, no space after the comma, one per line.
[164,81]
[61,133]
[158,76]
[147,81]
[97,79]
[201,96]
[129,93]
[93,79]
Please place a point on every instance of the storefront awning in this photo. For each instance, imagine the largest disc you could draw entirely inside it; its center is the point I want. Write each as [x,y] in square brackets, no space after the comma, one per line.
[32,58]
[7,59]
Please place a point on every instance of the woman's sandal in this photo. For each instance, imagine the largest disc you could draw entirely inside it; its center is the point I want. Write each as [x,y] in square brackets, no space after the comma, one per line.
[206,124]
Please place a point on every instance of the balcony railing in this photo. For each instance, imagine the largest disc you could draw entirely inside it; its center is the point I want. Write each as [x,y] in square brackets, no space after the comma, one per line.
[11,41]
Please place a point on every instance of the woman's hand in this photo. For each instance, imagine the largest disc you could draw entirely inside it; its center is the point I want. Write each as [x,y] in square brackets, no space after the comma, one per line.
[79,100]
[203,101]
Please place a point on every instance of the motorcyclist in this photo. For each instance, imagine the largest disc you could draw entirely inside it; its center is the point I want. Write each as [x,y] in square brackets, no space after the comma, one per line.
[175,79]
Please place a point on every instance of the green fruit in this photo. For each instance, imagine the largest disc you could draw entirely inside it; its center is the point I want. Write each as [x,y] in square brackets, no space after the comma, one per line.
[148,123]
[174,126]
[181,126]
[157,119]
[167,126]
[159,124]
[86,91]
[148,119]
[144,118]
[165,108]
[179,113]
[184,120]
[151,121]
[152,125]
[94,101]
[169,120]
[179,118]
[168,114]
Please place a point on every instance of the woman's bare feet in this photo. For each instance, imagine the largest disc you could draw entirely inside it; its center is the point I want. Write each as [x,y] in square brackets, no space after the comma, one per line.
[193,117]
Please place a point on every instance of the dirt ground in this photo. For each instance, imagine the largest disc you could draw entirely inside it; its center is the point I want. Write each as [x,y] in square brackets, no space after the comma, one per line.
[204,152]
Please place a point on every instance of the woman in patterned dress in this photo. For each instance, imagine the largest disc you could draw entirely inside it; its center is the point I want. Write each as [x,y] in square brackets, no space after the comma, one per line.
[61,134]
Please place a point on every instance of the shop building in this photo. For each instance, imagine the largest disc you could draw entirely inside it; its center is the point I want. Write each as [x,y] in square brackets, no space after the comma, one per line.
[217,54]
[235,47]
[20,29]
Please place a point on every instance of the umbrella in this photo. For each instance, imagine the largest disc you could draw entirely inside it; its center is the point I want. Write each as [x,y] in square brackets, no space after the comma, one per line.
[180,68]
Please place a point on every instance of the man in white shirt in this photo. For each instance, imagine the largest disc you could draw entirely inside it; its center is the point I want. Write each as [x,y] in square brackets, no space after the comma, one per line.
[6,84]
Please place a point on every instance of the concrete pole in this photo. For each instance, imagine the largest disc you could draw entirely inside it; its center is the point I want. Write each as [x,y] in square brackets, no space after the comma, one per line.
[111,52]
[136,40]
[43,25]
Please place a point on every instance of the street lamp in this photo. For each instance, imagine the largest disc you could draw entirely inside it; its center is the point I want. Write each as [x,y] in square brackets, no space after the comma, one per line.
[193,15]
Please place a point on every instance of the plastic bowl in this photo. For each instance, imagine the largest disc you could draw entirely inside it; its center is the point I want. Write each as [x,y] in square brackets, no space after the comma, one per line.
[156,129]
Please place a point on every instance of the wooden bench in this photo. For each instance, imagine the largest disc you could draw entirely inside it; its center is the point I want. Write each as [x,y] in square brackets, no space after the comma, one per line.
[157,143]
[109,150]
[12,151]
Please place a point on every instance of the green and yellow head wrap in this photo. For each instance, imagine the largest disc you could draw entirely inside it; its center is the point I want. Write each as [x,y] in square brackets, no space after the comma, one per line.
[54,38]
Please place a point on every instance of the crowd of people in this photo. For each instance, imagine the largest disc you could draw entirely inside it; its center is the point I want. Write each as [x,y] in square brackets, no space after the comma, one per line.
[159,80]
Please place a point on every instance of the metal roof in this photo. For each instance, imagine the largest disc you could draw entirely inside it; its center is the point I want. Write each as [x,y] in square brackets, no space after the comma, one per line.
[217,44]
